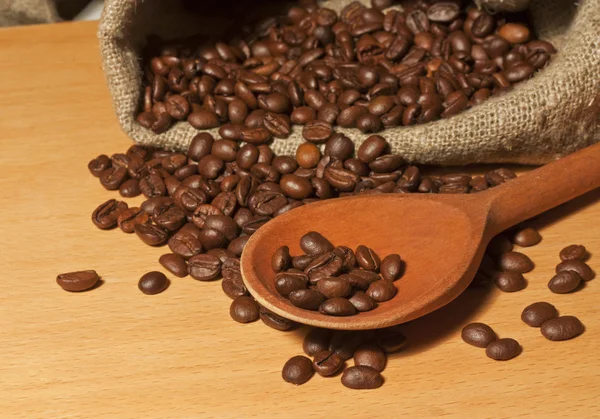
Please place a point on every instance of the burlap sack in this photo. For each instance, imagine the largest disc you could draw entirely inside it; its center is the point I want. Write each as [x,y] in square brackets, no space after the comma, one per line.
[555,113]
[30,12]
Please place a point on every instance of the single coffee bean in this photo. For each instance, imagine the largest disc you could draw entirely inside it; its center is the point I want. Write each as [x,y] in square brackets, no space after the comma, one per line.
[152,185]
[562,328]
[317,131]
[564,282]
[78,281]
[327,363]
[503,349]
[288,282]
[204,267]
[317,340]
[514,33]
[297,370]
[537,313]
[367,258]
[203,119]
[361,279]
[371,148]
[391,267]
[334,287]
[112,178]
[151,234]
[130,217]
[313,243]
[585,272]
[174,264]
[107,214]
[337,306]
[275,321]
[308,155]
[344,343]
[478,334]
[233,285]
[382,290]
[515,262]
[527,237]
[499,176]
[362,302]
[510,281]
[281,259]
[391,339]
[573,252]
[370,355]
[99,165]
[153,283]
[285,164]
[130,188]
[325,265]
[296,187]
[361,377]
[307,299]
[244,309]
[200,146]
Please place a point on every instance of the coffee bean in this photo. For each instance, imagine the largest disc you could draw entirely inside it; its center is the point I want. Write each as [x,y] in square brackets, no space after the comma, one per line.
[391,267]
[515,262]
[275,321]
[317,131]
[151,234]
[130,188]
[186,242]
[244,309]
[367,258]
[382,290]
[391,339]
[370,355]
[585,272]
[285,164]
[498,245]
[519,72]
[281,259]
[443,12]
[107,214]
[307,299]
[478,334]
[503,349]
[203,119]
[204,267]
[313,243]
[78,281]
[537,313]
[514,33]
[153,283]
[573,252]
[562,328]
[334,287]
[564,282]
[288,282]
[327,363]
[371,148]
[174,264]
[129,218]
[113,177]
[233,286]
[152,185]
[510,281]
[295,186]
[361,279]
[362,302]
[361,377]
[99,165]
[527,237]
[317,340]
[337,306]
[297,370]
[483,26]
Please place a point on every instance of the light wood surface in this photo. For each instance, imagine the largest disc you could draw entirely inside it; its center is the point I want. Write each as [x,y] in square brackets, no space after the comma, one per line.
[116,353]
[419,228]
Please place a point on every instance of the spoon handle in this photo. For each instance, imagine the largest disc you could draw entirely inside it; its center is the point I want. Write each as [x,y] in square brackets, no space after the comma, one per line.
[544,188]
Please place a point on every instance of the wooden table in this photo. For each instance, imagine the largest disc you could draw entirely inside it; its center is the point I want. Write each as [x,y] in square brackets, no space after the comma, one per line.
[117,353]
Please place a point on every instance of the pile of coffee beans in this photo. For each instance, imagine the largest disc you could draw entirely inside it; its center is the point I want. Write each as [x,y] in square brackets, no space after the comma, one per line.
[335,280]
[368,68]
[482,336]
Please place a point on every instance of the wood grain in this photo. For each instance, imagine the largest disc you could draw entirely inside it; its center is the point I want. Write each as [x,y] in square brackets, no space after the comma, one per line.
[116,353]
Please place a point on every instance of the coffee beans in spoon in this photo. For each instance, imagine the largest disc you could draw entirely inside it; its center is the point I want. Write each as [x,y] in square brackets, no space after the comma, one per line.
[336,281]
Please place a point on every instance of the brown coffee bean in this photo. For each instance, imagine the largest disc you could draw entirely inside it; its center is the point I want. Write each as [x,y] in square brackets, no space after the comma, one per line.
[519,72]
[317,131]
[503,349]
[483,26]
[297,370]
[327,363]
[562,328]
[585,272]
[313,243]
[514,33]
[281,259]
[275,321]
[361,377]
[370,355]
[244,309]
[112,178]
[564,282]
[510,281]
[78,281]
[537,313]
[174,264]
[527,237]
[367,258]
[151,234]
[515,262]
[498,245]
[317,340]
[337,306]
[200,146]
[203,119]
[204,267]
[362,302]
[382,290]
[478,334]
[573,252]
[130,217]
[153,283]
[307,299]
[288,282]
[391,267]
[334,287]
[303,115]
[106,215]
[295,186]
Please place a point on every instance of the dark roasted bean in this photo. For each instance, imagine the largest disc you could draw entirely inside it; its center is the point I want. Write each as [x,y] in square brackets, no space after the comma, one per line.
[564,282]
[503,349]
[562,328]
[537,313]
[297,370]
[478,334]
[573,252]
[585,272]
[153,283]
[361,377]
[78,281]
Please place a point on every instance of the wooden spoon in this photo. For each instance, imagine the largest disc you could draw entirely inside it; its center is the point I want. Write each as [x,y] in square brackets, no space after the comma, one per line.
[441,238]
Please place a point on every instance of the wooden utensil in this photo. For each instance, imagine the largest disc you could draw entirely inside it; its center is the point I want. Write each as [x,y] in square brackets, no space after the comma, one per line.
[441,238]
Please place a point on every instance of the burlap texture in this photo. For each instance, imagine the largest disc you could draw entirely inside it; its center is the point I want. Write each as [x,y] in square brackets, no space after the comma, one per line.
[553,114]
[26,12]
[503,5]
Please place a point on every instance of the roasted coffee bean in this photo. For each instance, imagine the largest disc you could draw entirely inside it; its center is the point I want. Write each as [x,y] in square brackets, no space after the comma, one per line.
[371,148]
[515,262]
[281,259]
[537,313]
[308,155]
[152,185]
[573,252]
[510,281]
[153,283]
[236,246]
[233,285]
[130,188]
[275,321]
[186,242]
[585,272]
[370,355]
[382,290]
[327,363]
[284,164]
[325,265]
[391,339]
[478,334]
[317,340]
[361,279]
[130,217]
[337,306]
[204,267]
[562,328]
[514,33]
[334,287]
[503,349]
[297,370]
[296,187]
[367,258]
[244,309]
[203,119]
[151,234]
[391,267]
[307,299]
[99,165]
[107,214]
[317,131]
[362,302]
[288,282]
[277,124]
[361,377]
[113,177]
[313,243]
[78,281]
[174,264]
[212,239]
[169,217]
[499,176]
[564,282]
[499,244]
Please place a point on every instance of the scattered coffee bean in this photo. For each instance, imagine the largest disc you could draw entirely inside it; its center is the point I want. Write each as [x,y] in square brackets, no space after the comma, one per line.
[153,283]
[515,262]
[573,252]
[297,370]
[317,340]
[361,377]
[174,264]
[107,214]
[327,363]
[582,268]
[562,328]
[78,281]
[537,313]
[313,243]
[129,218]
[564,282]
[370,355]
[503,349]
[510,281]
[527,237]
[275,321]
[204,267]
[478,334]
[244,309]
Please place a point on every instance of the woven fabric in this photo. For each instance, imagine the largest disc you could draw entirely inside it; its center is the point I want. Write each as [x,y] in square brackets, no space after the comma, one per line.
[553,114]
[27,12]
